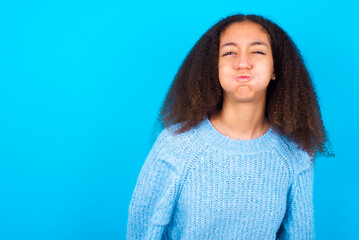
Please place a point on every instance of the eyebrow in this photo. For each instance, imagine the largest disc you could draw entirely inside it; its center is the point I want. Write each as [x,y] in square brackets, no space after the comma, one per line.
[252,44]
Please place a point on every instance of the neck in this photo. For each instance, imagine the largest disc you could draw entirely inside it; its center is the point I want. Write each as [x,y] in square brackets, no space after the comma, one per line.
[241,121]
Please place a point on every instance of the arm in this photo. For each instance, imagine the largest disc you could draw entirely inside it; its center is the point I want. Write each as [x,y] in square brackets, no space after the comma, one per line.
[154,197]
[298,222]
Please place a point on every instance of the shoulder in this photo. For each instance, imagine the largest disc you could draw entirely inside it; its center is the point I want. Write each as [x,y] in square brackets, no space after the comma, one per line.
[169,140]
[176,149]
[298,159]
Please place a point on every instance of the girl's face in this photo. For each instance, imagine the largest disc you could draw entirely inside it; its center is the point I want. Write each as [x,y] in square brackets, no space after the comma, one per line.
[245,64]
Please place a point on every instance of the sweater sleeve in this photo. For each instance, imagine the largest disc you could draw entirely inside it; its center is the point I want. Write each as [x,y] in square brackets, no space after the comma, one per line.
[154,196]
[298,222]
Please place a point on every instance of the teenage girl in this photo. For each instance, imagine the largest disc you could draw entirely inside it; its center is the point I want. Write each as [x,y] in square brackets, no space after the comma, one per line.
[242,127]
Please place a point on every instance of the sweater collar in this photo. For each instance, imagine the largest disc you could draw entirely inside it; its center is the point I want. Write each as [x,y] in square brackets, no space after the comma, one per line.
[213,137]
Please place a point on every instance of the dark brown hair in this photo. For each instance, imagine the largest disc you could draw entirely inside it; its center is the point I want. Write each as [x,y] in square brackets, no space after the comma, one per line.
[291,104]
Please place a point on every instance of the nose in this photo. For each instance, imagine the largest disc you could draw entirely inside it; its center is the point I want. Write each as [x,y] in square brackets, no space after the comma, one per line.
[243,61]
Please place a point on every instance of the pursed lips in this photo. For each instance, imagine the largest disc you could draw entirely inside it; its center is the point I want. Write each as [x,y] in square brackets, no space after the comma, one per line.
[243,77]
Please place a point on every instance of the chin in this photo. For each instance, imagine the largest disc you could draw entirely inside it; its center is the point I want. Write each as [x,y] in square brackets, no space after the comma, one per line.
[245,100]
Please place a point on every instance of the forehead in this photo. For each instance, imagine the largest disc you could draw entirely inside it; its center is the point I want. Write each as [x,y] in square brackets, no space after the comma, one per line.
[243,32]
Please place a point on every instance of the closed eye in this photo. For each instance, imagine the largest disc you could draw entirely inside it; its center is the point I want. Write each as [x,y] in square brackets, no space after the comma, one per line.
[228,53]
[259,52]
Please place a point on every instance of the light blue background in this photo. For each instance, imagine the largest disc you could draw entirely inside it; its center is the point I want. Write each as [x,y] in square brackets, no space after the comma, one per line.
[81,83]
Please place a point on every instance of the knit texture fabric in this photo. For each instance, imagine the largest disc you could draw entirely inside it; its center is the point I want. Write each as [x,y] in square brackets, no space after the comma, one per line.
[203,185]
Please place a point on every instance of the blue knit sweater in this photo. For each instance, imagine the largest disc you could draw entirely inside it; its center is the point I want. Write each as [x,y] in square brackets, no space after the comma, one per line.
[203,185]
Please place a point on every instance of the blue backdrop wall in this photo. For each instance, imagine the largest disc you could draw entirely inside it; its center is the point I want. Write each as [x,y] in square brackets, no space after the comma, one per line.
[81,83]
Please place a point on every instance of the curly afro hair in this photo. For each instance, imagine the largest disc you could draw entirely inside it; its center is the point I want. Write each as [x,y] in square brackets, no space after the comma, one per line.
[291,103]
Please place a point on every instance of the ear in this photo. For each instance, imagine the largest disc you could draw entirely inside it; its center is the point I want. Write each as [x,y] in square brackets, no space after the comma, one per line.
[273,76]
